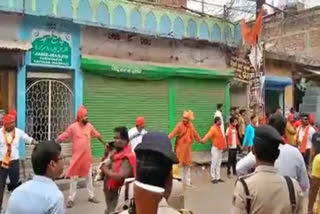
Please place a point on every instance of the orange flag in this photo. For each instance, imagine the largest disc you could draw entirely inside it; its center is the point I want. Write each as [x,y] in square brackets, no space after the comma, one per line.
[250,35]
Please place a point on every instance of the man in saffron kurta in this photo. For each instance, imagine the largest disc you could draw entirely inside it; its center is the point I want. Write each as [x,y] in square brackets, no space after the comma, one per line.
[185,134]
[304,138]
[218,145]
[80,132]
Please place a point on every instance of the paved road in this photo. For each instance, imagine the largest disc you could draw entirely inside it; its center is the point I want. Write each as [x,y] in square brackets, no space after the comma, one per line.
[203,198]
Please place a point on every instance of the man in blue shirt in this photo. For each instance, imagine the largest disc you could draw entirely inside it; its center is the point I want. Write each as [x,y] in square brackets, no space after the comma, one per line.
[40,195]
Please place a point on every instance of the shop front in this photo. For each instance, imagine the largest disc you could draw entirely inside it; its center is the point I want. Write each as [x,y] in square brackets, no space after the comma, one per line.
[116,92]
[49,84]
[276,94]
[11,57]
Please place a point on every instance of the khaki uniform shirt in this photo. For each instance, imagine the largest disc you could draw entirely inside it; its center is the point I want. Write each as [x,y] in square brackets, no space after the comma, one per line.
[268,192]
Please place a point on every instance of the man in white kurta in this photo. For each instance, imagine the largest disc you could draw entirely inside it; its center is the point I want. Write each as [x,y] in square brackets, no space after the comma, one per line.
[10,137]
[218,113]
[136,133]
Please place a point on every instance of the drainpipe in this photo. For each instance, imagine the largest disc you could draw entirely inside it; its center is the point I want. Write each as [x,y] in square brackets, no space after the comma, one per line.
[23,7]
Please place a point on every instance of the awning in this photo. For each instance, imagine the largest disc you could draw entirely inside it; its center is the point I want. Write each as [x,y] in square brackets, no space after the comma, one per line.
[277,83]
[15,45]
[142,70]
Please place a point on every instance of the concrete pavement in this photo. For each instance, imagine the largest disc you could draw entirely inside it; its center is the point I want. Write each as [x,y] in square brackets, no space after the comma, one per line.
[203,198]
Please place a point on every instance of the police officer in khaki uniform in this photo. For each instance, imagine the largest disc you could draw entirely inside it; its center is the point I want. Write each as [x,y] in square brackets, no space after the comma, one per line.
[265,191]
[153,183]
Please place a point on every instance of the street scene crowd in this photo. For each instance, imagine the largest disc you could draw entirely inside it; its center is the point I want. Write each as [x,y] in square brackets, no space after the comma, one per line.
[279,164]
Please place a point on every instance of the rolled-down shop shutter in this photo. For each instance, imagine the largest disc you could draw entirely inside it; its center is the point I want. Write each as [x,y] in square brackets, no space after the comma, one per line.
[114,102]
[202,97]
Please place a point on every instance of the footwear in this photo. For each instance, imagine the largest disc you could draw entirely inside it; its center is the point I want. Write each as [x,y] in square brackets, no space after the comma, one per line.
[221,181]
[93,200]
[70,204]
[214,181]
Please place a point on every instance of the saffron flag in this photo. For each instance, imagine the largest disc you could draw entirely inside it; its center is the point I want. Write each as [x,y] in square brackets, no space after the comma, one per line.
[251,35]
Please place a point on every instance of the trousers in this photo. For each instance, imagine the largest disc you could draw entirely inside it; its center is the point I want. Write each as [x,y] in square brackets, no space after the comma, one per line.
[232,161]
[306,157]
[186,175]
[13,173]
[216,160]
[111,197]
[73,186]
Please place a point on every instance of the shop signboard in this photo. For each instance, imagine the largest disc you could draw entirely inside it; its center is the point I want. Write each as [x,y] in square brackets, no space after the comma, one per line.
[243,70]
[51,48]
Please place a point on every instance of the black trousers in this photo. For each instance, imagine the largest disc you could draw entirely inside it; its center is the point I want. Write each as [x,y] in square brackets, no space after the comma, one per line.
[13,173]
[306,157]
[232,161]
[241,140]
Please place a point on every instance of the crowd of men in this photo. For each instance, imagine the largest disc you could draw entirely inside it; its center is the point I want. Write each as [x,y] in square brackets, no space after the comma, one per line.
[278,153]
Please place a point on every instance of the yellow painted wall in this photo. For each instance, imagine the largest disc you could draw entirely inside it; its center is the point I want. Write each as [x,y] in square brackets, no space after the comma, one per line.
[274,68]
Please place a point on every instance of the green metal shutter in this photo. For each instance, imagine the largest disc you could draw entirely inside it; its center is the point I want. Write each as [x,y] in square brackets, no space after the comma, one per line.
[202,97]
[113,102]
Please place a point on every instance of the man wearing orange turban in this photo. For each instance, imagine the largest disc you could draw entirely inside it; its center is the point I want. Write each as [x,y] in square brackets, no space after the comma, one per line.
[136,133]
[80,133]
[185,134]
[10,137]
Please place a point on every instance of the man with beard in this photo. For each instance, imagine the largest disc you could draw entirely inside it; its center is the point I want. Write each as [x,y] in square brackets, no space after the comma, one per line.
[185,134]
[122,165]
[80,132]
[9,152]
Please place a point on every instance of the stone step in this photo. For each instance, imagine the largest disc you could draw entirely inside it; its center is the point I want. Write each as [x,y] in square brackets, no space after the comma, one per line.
[314,91]
[311,100]
[305,108]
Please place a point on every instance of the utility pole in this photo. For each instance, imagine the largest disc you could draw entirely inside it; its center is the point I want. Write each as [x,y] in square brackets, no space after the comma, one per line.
[259,6]
[202,6]
[261,99]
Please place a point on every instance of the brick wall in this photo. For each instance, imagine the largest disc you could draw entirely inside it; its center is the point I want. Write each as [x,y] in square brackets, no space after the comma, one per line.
[296,34]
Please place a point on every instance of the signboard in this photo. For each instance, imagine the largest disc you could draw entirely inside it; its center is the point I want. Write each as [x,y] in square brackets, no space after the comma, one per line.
[51,48]
[243,71]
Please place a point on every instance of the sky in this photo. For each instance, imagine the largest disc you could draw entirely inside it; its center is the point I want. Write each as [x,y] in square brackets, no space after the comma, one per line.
[242,8]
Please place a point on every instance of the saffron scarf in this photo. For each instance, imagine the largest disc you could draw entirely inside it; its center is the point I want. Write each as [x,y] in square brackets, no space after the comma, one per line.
[303,146]
[230,135]
[7,156]
[221,144]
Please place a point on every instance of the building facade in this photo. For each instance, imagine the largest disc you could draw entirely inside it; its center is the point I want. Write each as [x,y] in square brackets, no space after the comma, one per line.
[121,59]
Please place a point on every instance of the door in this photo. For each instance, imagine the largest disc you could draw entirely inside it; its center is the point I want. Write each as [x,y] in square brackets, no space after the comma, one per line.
[114,102]
[49,108]
[202,97]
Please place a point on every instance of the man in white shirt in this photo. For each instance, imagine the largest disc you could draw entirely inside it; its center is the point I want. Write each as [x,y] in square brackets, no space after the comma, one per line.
[40,195]
[289,163]
[136,133]
[10,137]
[304,138]
[218,113]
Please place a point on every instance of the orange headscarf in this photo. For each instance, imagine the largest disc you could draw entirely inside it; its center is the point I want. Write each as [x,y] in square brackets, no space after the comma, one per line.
[290,118]
[10,117]
[140,121]
[81,112]
[188,115]
[311,119]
